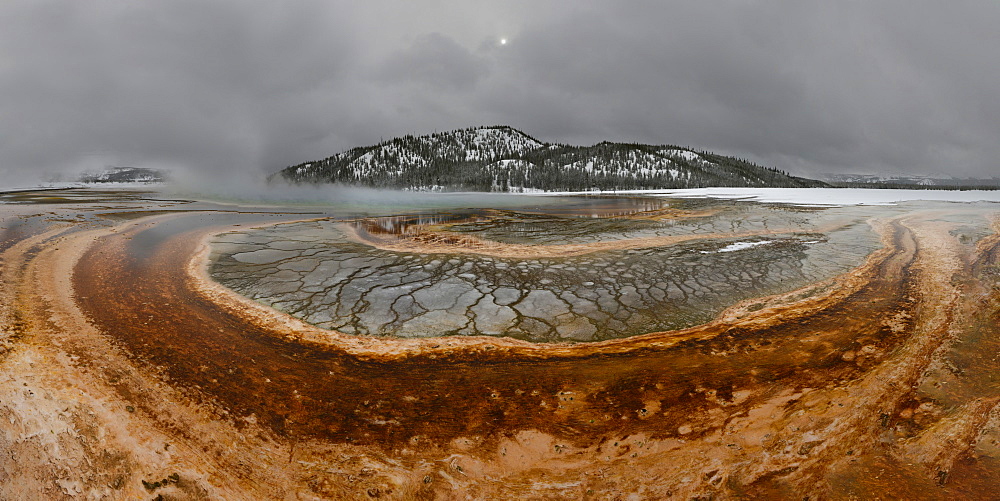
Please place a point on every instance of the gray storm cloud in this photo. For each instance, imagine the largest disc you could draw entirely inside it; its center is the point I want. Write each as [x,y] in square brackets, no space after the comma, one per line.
[226,87]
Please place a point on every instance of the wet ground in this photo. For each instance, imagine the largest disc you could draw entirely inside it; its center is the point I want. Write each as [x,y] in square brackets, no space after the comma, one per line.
[868,370]
[316,271]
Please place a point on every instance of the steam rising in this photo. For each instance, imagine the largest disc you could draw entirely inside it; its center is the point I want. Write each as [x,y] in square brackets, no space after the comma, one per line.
[259,191]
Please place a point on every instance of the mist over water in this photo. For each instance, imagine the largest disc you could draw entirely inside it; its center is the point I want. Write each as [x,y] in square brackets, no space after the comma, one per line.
[13,179]
[254,189]
[258,191]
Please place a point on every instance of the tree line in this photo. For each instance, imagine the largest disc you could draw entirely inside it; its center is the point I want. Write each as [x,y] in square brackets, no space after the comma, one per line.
[512,161]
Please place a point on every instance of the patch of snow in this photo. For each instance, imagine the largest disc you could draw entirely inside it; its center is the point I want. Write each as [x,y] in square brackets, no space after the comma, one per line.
[66,185]
[738,246]
[508,164]
[835,196]
[817,197]
[631,163]
[690,156]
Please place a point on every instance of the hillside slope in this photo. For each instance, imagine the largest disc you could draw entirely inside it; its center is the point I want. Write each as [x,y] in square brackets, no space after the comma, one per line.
[501,158]
[124,175]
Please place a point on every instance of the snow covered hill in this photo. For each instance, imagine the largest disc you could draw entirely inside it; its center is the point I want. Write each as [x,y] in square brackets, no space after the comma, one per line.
[501,158]
[904,181]
[124,175]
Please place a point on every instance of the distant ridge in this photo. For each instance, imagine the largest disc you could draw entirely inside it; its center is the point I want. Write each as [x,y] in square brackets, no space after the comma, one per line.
[124,175]
[501,158]
[923,182]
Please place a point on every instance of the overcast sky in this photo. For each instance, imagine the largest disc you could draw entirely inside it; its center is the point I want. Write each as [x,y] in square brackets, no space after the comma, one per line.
[250,87]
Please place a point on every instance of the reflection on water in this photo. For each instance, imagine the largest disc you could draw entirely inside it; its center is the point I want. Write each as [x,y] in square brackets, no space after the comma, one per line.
[404,224]
[596,206]
[684,217]
[568,208]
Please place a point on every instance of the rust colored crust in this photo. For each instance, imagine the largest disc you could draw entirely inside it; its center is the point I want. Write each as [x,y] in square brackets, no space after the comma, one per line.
[786,401]
[307,381]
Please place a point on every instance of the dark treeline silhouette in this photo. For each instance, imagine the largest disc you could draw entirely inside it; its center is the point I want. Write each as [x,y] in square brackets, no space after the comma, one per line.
[501,158]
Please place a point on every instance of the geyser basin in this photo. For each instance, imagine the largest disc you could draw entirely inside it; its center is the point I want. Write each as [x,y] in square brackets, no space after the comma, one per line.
[881,383]
[506,274]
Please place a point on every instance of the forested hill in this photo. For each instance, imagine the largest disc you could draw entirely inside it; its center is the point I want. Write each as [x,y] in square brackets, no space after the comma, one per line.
[124,175]
[501,158]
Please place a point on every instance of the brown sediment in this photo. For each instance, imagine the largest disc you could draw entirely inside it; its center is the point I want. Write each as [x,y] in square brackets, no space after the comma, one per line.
[471,386]
[774,398]
[669,213]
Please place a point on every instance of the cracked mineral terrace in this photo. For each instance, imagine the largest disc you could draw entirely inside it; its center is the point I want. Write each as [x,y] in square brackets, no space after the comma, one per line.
[616,278]
[657,348]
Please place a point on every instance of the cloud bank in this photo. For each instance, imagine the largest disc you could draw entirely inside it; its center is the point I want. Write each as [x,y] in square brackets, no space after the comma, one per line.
[223,88]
